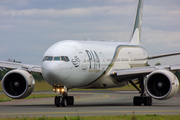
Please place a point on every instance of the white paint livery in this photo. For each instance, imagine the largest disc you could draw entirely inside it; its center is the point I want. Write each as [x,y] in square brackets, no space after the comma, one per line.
[90,73]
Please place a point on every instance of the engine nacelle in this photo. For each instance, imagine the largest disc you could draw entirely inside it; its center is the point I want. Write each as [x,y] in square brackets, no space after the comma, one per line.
[162,84]
[18,84]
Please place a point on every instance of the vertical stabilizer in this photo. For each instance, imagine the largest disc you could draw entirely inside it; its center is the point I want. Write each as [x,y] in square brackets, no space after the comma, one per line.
[136,32]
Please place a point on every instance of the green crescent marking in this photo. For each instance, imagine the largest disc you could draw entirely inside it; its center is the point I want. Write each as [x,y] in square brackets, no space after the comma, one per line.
[118,48]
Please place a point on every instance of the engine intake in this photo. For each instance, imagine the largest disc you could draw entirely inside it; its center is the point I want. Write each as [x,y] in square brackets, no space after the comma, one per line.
[18,84]
[162,84]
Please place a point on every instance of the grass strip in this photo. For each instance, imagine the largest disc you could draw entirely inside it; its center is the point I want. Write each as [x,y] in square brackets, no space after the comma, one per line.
[4,98]
[40,96]
[117,117]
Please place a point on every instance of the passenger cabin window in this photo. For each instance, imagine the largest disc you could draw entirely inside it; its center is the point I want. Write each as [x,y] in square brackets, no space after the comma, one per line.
[56,58]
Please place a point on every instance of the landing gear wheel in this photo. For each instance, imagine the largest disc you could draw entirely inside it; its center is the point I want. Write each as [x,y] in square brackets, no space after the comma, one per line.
[57,101]
[70,100]
[64,102]
[147,101]
[137,101]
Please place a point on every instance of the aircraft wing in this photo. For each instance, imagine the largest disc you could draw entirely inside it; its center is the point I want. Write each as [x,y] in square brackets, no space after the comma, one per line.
[121,75]
[163,55]
[27,67]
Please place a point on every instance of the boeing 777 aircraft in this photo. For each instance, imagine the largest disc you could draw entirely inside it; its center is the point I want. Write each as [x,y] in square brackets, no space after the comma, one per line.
[95,64]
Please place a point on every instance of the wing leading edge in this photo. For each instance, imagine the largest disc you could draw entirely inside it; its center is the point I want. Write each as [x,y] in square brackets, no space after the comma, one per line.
[27,67]
[121,75]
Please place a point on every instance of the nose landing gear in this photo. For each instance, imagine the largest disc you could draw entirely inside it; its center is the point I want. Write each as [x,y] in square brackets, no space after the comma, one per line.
[63,99]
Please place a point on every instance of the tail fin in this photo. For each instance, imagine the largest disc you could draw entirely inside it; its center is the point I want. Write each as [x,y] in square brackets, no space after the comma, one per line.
[135,37]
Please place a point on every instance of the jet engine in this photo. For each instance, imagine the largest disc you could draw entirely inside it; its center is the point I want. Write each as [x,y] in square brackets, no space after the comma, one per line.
[162,84]
[18,84]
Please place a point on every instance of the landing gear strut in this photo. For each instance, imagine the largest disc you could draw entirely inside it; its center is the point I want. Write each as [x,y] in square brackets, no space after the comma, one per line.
[142,99]
[63,99]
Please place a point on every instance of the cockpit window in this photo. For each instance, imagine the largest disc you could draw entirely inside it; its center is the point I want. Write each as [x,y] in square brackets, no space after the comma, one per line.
[50,58]
[67,59]
[56,58]
[45,58]
[63,58]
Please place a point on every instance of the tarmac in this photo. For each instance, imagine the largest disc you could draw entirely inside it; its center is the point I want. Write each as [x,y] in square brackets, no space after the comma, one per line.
[89,103]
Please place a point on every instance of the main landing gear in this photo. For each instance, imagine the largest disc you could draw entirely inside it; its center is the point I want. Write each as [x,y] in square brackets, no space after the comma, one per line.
[63,99]
[142,99]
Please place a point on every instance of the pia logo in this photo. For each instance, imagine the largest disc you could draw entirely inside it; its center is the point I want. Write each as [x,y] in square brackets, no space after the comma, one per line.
[76,61]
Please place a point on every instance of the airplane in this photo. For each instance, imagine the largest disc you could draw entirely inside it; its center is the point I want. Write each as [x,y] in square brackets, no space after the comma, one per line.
[72,64]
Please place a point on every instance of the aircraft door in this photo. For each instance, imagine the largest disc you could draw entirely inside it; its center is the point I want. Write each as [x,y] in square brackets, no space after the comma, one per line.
[83,62]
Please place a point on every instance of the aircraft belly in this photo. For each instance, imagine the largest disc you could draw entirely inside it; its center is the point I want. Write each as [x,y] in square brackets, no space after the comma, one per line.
[106,82]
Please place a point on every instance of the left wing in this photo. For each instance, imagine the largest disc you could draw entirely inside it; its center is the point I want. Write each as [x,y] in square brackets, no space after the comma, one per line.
[121,75]
[163,55]
[27,67]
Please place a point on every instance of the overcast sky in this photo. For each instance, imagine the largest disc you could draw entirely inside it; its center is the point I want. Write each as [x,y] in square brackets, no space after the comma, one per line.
[29,27]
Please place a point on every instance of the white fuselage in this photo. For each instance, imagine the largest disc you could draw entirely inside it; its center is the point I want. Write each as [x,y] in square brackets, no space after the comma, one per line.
[86,64]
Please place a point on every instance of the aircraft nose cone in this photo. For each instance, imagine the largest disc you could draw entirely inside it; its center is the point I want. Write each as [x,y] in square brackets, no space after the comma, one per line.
[50,71]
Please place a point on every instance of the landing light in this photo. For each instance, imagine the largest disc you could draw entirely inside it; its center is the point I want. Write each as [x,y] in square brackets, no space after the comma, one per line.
[58,89]
[54,89]
[114,73]
[62,89]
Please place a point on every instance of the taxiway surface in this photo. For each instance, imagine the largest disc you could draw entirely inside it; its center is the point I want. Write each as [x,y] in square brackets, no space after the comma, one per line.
[90,103]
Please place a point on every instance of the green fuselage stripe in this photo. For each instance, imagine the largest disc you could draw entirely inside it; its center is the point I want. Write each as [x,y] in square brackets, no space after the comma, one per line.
[118,48]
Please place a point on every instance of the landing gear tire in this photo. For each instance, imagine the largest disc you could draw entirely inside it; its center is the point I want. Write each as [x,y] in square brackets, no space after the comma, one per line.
[137,101]
[64,102]
[147,101]
[57,101]
[70,100]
